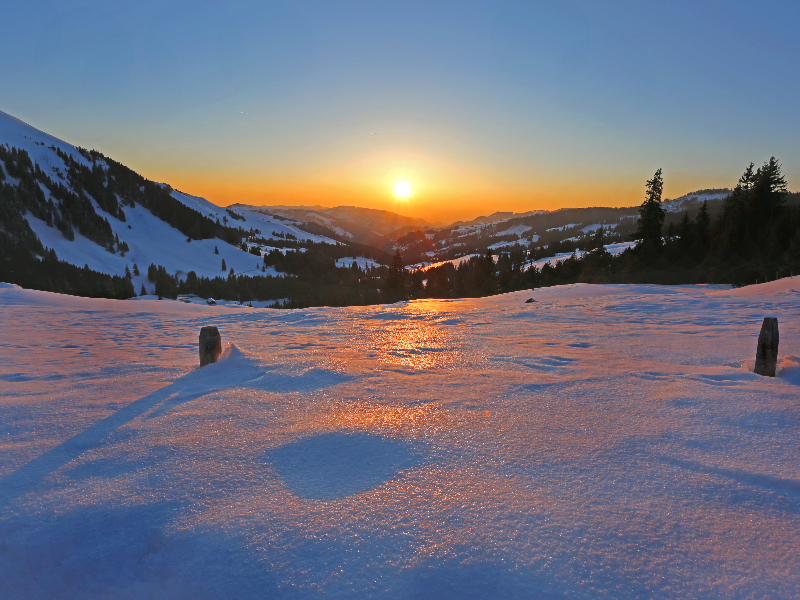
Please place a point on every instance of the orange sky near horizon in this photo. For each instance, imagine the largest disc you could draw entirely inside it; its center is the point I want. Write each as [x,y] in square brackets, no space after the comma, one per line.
[434,202]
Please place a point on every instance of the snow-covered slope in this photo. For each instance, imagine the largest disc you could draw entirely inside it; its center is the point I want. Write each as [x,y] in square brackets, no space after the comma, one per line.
[543,229]
[501,232]
[601,442]
[612,249]
[692,200]
[37,144]
[268,225]
[150,239]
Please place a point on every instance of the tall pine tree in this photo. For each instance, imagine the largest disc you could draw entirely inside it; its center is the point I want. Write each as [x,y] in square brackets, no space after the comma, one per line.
[651,217]
[395,278]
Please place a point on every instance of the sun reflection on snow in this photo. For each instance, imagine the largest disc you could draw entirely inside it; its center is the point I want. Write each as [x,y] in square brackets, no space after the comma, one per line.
[413,337]
[378,418]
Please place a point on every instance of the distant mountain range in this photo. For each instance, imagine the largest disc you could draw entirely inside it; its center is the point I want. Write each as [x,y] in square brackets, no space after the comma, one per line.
[125,220]
[421,242]
[367,226]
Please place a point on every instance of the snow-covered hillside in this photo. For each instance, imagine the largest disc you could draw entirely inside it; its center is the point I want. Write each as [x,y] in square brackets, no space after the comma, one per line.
[612,249]
[37,144]
[692,200]
[536,230]
[150,239]
[363,263]
[268,225]
[601,442]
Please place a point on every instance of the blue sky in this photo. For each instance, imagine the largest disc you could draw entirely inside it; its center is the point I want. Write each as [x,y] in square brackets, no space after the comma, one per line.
[481,106]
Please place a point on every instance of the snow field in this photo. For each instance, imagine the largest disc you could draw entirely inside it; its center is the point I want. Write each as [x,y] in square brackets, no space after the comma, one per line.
[594,227]
[516,230]
[454,261]
[508,244]
[362,262]
[150,240]
[602,442]
[612,249]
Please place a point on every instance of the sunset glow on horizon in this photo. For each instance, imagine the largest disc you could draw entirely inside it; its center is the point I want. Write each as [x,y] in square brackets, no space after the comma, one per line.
[494,107]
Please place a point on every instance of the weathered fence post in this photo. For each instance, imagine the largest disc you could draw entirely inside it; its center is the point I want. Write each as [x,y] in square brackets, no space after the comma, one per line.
[767,351]
[210,345]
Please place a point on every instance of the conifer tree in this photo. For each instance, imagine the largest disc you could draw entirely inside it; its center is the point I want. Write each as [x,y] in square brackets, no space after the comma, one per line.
[685,231]
[395,278]
[768,192]
[651,216]
[703,225]
[747,179]
[487,274]
[224,267]
[598,238]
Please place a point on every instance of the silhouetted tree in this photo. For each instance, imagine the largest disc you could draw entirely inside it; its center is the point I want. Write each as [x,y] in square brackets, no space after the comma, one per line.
[651,216]
[703,224]
[395,278]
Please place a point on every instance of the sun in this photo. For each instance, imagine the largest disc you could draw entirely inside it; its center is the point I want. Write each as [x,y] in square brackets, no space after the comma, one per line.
[402,189]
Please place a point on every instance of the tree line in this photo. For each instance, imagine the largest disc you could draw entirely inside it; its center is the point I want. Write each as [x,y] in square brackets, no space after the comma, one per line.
[756,237]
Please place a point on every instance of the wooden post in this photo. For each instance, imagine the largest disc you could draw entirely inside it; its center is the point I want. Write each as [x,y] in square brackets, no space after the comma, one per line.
[767,351]
[210,345]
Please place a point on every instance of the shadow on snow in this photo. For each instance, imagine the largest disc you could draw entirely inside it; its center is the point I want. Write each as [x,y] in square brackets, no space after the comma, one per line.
[235,370]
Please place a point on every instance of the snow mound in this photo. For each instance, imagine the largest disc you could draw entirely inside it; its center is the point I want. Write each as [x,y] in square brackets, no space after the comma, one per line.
[238,369]
[787,285]
[789,369]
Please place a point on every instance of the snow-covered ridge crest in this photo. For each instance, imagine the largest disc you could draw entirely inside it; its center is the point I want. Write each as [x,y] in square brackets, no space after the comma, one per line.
[692,200]
[16,133]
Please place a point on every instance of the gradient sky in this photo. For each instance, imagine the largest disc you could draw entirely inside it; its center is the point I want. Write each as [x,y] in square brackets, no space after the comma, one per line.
[481,106]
